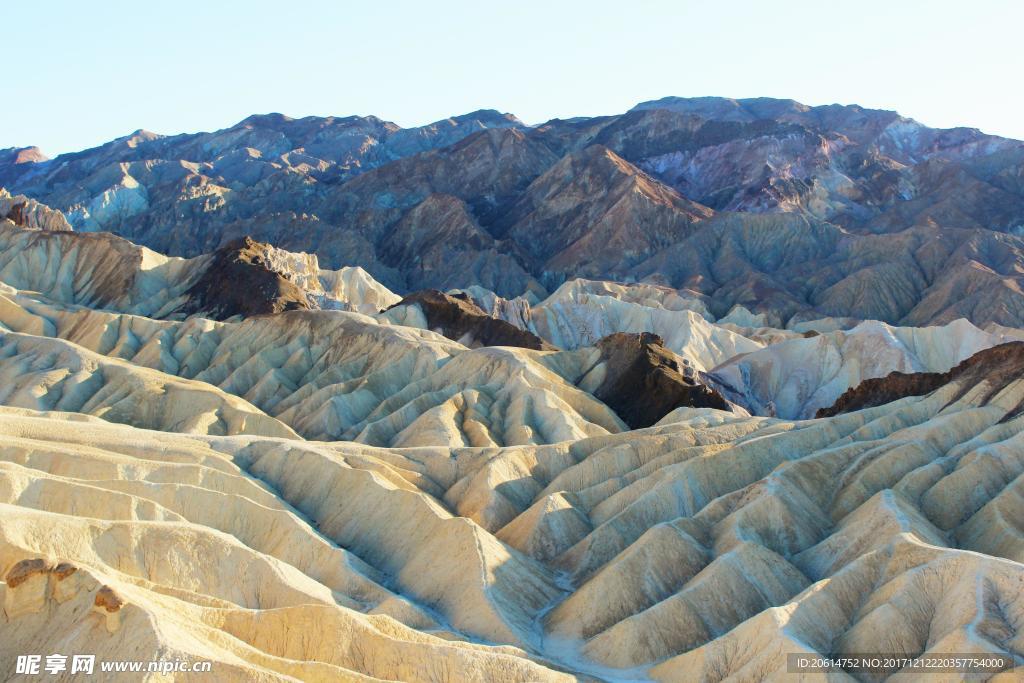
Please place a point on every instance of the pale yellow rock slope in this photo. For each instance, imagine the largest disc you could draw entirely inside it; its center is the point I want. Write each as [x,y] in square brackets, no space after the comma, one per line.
[321,496]
[125,543]
[706,547]
[333,374]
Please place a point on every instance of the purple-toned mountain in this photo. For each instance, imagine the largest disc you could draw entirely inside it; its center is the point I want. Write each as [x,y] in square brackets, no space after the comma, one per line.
[785,209]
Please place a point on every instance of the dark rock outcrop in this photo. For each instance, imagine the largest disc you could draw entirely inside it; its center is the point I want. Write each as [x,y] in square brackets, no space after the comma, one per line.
[644,381]
[18,214]
[878,391]
[458,317]
[997,366]
[239,281]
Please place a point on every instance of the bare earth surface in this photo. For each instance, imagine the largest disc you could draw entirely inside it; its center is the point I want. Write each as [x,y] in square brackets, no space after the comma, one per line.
[604,399]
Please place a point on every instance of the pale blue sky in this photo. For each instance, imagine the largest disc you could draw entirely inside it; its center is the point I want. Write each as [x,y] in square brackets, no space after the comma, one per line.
[79,73]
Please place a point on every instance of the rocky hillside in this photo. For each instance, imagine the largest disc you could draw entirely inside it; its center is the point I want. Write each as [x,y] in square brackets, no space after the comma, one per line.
[21,212]
[147,321]
[994,369]
[245,277]
[790,212]
[296,474]
[704,547]
[458,317]
[796,377]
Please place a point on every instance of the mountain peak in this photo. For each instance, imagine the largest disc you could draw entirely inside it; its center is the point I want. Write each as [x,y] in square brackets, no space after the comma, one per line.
[490,116]
[264,120]
[22,155]
[138,137]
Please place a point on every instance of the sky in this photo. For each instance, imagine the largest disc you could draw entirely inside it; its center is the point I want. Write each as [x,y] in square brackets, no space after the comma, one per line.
[82,73]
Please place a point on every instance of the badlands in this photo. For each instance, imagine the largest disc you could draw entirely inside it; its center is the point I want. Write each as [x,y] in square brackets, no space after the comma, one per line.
[315,479]
[604,399]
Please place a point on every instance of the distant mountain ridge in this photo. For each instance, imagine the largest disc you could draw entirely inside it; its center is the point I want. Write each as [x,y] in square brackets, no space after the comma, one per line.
[785,211]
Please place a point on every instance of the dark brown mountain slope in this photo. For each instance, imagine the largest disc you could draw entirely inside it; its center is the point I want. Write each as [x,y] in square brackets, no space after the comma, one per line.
[458,318]
[994,368]
[593,213]
[239,280]
[644,382]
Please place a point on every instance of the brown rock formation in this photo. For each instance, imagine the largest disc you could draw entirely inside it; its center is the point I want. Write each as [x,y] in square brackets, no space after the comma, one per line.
[108,600]
[63,570]
[26,569]
[594,213]
[643,380]
[239,281]
[997,366]
[458,318]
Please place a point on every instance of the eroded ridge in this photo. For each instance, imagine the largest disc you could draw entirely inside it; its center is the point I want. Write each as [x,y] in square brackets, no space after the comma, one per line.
[321,374]
[705,547]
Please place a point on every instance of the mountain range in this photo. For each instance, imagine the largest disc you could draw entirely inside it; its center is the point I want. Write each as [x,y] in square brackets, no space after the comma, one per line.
[763,206]
[676,395]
